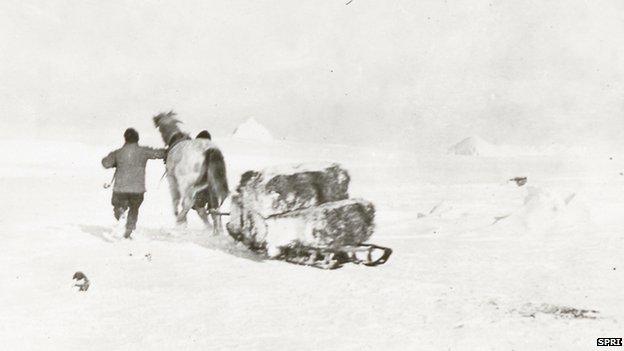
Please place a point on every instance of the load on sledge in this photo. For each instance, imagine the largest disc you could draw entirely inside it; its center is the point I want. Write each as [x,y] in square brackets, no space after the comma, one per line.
[303,214]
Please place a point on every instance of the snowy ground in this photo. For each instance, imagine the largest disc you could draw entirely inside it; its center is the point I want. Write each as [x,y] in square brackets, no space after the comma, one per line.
[478,263]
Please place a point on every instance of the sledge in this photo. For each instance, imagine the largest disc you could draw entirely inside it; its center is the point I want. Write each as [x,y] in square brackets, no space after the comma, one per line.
[326,258]
[302,214]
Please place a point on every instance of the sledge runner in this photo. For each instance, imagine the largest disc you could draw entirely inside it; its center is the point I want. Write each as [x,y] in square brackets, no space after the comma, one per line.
[129,163]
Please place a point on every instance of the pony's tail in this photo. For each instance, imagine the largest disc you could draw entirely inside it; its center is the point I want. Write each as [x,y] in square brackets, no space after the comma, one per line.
[215,175]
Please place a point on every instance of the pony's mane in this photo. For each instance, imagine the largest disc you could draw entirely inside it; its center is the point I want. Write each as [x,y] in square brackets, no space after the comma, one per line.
[167,124]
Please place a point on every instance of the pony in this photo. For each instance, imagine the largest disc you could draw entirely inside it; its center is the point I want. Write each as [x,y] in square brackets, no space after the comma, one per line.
[193,166]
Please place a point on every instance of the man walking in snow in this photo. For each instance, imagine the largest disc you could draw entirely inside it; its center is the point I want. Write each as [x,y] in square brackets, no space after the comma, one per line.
[129,187]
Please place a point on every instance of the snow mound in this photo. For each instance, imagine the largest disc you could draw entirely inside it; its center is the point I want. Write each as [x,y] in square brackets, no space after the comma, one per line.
[544,211]
[252,130]
[476,146]
[473,146]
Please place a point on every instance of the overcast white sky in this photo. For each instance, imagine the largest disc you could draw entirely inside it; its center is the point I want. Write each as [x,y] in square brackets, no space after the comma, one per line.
[408,72]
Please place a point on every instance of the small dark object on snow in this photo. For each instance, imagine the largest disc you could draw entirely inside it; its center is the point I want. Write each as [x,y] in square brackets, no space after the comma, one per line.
[530,310]
[520,181]
[81,281]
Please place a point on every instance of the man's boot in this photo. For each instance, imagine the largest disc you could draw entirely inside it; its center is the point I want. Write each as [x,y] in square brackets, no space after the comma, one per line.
[127,234]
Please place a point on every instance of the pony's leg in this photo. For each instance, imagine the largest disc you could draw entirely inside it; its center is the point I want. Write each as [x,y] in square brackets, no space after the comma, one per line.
[216,219]
[203,214]
[187,203]
[175,193]
[213,207]
[181,219]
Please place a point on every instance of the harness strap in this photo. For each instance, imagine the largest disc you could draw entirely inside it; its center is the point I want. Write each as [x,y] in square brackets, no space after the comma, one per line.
[176,138]
[173,141]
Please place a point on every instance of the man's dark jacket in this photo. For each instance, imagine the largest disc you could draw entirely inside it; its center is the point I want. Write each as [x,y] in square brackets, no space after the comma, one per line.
[130,162]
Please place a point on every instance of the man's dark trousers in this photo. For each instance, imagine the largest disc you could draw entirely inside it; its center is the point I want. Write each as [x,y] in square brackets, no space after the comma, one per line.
[127,201]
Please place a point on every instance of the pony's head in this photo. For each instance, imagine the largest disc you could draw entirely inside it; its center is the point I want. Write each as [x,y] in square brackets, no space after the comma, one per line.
[167,124]
[165,118]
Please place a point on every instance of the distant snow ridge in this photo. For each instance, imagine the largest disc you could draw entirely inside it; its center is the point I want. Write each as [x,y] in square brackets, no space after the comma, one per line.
[252,130]
[473,146]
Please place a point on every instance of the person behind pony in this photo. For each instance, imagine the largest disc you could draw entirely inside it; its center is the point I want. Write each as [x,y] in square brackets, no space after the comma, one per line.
[204,134]
[129,163]
[202,197]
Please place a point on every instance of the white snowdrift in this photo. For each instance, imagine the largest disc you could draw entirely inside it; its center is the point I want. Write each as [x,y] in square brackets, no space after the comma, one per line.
[437,292]
[473,146]
[32,157]
[252,130]
[545,211]
[477,146]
